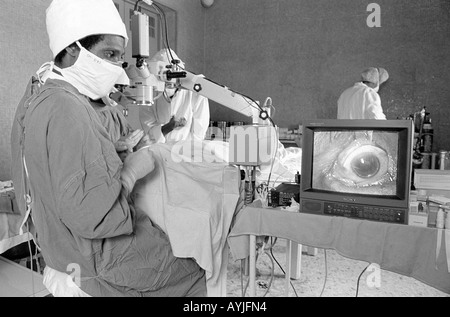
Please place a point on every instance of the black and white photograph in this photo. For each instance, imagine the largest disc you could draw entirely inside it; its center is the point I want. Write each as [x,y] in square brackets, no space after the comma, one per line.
[225,154]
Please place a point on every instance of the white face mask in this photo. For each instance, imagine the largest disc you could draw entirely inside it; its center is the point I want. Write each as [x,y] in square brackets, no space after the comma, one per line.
[93,76]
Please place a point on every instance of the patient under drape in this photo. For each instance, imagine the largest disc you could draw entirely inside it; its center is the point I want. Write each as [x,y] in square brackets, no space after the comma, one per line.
[193,200]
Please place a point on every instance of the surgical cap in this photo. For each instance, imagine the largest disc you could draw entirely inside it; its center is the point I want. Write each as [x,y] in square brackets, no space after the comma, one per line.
[374,75]
[71,20]
[166,55]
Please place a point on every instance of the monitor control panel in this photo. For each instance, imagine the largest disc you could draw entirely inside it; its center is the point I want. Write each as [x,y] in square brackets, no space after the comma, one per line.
[365,212]
[374,213]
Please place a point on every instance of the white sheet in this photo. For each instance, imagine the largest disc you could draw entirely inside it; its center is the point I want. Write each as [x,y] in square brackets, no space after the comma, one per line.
[194,204]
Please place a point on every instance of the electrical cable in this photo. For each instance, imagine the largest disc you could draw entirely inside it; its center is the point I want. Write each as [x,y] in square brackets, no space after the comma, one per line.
[271,251]
[274,111]
[136,5]
[326,273]
[242,280]
[31,262]
[276,180]
[272,274]
[164,28]
[248,281]
[359,277]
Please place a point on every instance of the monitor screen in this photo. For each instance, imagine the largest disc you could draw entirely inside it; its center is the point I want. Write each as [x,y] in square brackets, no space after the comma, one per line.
[355,161]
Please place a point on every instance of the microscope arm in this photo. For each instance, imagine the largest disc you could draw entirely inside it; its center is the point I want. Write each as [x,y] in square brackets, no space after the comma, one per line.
[220,94]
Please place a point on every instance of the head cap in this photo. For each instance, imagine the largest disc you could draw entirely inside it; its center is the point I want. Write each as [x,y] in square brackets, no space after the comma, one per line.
[374,75]
[71,20]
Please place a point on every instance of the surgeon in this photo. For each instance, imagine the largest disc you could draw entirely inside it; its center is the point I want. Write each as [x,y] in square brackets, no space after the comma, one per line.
[181,115]
[85,222]
[362,100]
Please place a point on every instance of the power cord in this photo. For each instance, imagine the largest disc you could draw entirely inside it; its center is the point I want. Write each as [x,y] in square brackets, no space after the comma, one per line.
[357,284]
[271,251]
[164,27]
[292,285]
[273,258]
[326,272]
[272,272]
[31,262]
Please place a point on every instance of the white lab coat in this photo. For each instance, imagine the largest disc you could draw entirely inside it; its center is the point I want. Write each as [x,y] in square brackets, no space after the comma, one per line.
[186,104]
[360,102]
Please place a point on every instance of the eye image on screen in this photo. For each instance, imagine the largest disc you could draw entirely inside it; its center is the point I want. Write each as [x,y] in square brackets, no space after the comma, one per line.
[359,162]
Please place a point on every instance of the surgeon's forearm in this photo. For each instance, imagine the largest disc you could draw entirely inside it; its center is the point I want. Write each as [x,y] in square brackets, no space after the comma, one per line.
[167,128]
[94,218]
[127,184]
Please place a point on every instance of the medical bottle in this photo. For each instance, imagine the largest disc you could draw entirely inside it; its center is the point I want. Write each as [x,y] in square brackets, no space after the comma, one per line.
[440,218]
[297,177]
[443,156]
[427,137]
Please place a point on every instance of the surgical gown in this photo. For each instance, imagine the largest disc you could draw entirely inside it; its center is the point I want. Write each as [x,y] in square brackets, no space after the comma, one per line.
[84,223]
[113,120]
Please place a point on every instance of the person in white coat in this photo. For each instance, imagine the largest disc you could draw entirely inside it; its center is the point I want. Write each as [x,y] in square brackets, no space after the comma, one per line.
[186,117]
[362,100]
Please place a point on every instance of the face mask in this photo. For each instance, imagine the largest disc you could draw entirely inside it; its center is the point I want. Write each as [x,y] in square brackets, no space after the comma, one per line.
[377,88]
[93,76]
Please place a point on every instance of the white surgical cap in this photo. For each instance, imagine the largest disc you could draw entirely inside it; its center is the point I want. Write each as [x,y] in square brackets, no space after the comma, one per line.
[166,55]
[374,75]
[71,20]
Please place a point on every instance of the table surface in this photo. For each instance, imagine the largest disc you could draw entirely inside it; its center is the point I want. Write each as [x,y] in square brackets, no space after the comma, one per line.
[402,249]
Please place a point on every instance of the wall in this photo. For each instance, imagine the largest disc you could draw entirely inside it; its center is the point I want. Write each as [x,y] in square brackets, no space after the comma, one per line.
[304,53]
[24,44]
[24,47]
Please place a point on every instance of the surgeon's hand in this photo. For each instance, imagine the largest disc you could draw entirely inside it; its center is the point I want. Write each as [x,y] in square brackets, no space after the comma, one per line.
[172,125]
[144,142]
[180,123]
[127,143]
[136,166]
